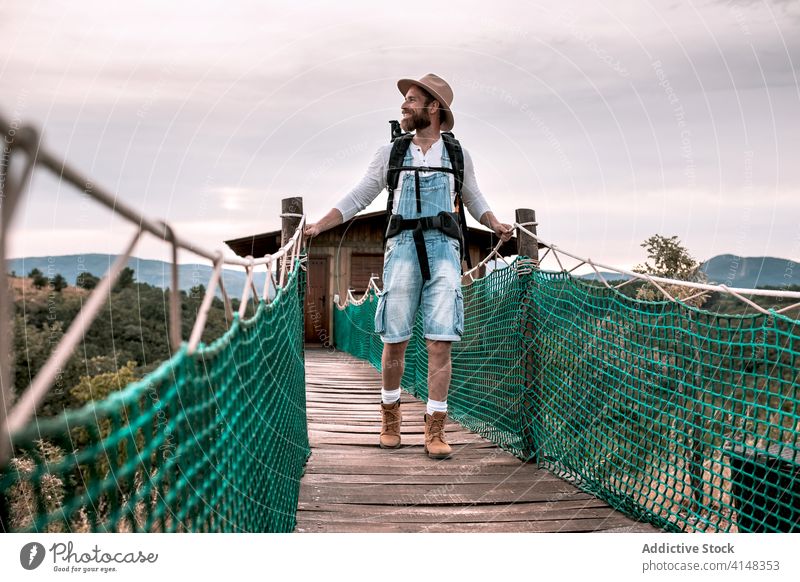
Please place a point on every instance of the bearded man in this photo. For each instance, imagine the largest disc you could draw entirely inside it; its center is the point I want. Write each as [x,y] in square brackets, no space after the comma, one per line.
[422,260]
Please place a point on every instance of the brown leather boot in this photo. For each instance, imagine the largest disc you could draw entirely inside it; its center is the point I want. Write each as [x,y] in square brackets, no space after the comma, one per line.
[435,445]
[390,425]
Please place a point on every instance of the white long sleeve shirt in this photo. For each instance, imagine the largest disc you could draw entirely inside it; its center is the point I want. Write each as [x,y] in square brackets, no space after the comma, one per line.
[374,181]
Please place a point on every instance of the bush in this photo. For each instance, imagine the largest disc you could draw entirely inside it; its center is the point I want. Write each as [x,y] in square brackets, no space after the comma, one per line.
[58,283]
[98,387]
[39,280]
[87,281]
[671,260]
[125,280]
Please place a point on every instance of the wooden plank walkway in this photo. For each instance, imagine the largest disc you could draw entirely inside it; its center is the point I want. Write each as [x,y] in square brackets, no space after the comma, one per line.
[352,485]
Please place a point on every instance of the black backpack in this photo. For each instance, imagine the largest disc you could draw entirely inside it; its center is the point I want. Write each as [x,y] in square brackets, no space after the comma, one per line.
[400,143]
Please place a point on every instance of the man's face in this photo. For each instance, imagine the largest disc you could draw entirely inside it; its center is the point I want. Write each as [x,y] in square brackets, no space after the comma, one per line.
[414,110]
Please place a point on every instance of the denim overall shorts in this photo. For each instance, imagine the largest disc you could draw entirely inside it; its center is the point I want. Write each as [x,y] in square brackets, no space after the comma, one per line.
[404,290]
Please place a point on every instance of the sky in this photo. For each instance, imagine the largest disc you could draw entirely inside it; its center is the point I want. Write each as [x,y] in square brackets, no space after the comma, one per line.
[614,121]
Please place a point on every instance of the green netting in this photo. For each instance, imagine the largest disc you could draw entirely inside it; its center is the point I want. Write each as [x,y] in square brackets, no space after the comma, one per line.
[679,416]
[215,441]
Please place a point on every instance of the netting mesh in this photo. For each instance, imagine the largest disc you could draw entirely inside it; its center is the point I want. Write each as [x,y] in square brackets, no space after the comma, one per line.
[212,441]
[682,417]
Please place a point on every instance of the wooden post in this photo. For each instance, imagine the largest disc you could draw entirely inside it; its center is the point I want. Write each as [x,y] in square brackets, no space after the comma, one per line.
[696,428]
[526,245]
[291,212]
[289,208]
[531,397]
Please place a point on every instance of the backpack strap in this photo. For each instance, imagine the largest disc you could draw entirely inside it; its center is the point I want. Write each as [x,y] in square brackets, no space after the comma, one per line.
[400,146]
[399,149]
[456,154]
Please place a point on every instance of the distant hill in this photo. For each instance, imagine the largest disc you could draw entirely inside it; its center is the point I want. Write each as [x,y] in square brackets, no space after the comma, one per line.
[750,272]
[607,275]
[153,272]
[733,271]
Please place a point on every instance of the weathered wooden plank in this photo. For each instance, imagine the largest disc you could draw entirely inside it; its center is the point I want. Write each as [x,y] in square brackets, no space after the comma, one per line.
[420,512]
[319,437]
[483,514]
[476,447]
[426,478]
[411,456]
[362,469]
[437,495]
[554,526]
[345,406]
[634,527]
[375,429]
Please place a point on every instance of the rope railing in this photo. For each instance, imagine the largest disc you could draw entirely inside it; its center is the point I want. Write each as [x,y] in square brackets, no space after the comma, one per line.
[685,418]
[351,299]
[658,282]
[252,372]
[654,280]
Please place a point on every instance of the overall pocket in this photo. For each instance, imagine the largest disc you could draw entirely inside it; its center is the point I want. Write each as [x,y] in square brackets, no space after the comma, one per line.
[455,244]
[459,312]
[391,246]
[380,311]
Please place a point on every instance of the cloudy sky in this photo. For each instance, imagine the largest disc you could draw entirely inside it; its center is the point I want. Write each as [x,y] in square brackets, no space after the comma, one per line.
[613,120]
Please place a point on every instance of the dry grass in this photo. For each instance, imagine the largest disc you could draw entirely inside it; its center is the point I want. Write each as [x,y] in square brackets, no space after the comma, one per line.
[22,288]
[22,495]
[24,507]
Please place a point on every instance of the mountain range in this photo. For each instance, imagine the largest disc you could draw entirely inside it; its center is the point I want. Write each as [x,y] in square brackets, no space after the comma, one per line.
[153,272]
[731,270]
[735,271]
[751,272]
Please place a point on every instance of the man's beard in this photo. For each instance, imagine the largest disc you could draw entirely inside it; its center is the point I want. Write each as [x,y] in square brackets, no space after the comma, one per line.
[416,121]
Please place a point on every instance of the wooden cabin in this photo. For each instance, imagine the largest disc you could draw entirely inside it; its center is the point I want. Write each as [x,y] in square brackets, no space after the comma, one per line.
[345,257]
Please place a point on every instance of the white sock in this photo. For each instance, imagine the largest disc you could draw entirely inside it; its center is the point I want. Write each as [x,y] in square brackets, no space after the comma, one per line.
[436,406]
[390,396]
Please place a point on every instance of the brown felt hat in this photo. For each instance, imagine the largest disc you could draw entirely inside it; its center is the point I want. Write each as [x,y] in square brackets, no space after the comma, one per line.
[440,90]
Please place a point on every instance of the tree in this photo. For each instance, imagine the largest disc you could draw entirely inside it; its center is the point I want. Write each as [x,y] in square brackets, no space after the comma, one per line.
[99,386]
[39,280]
[125,280]
[58,283]
[87,281]
[197,292]
[671,260]
[32,347]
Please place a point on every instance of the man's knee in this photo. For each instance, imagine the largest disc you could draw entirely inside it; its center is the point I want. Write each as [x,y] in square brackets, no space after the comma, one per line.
[393,354]
[439,348]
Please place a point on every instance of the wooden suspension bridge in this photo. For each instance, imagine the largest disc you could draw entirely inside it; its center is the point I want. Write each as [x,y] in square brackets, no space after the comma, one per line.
[349,484]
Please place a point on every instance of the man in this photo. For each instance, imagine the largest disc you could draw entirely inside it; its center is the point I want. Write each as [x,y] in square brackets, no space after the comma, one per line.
[422,264]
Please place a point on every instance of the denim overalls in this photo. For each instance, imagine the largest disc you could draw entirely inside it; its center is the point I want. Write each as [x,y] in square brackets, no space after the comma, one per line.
[403,287]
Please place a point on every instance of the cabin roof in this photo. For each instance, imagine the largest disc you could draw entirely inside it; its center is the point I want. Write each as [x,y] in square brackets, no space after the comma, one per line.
[266,243]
